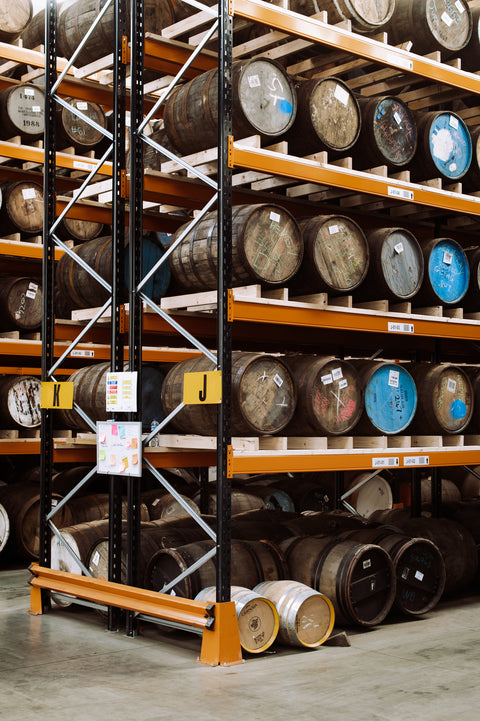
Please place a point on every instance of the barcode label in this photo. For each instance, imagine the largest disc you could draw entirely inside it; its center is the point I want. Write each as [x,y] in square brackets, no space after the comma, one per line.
[385,462]
[416,460]
[278,380]
[82,354]
[453,121]
[337,374]
[78,165]
[400,193]
[419,575]
[254,81]
[31,294]
[275,217]
[367,563]
[398,248]
[333,229]
[446,19]
[399,61]
[447,258]
[401,327]
[343,383]
[29,193]
[326,380]
[82,106]
[394,379]
[459,7]
[452,385]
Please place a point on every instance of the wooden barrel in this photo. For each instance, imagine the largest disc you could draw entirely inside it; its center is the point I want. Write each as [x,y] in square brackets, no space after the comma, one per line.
[447,273]
[153,158]
[240,500]
[373,495]
[267,248]
[81,290]
[450,492]
[471,299]
[21,210]
[359,579]
[22,112]
[4,527]
[336,256]
[327,523]
[263,396]
[442,25]
[263,98]
[445,398]
[79,230]
[308,494]
[168,507]
[388,135]
[473,373]
[396,266]
[329,395]
[328,118]
[444,147]
[73,130]
[366,16]
[95,507]
[14,19]
[257,617]
[89,393]
[273,498]
[20,303]
[471,179]
[19,402]
[81,538]
[470,484]
[251,563]
[390,397]
[306,616]
[21,502]
[33,36]
[470,54]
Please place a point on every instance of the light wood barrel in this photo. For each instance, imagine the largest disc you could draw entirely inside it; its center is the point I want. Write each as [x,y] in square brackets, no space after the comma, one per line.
[81,538]
[329,395]
[22,208]
[263,396]
[20,303]
[19,402]
[366,16]
[336,256]
[22,112]
[267,248]
[442,25]
[447,273]
[445,398]
[72,130]
[328,118]
[258,622]
[444,147]
[4,527]
[388,135]
[14,19]
[373,495]
[33,36]
[264,103]
[80,231]
[306,616]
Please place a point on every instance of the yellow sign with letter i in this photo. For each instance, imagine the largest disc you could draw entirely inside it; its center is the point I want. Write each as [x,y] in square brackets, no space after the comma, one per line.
[202,387]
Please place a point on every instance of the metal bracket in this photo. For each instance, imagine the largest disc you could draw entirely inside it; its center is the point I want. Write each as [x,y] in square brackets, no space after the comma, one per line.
[229,461]
[121,319]
[123,184]
[230,151]
[125,52]
[231,8]
[230,306]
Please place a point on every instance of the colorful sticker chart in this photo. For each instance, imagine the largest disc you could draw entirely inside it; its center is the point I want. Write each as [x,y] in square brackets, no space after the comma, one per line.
[121,392]
[119,448]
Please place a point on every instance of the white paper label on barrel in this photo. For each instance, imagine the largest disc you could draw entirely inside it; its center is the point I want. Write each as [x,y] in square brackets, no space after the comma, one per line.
[459,7]
[341,94]
[416,461]
[333,229]
[447,258]
[451,385]
[31,294]
[275,217]
[419,575]
[326,380]
[400,193]
[337,374]
[398,248]
[82,106]
[343,383]
[254,81]
[36,109]
[453,121]
[54,502]
[30,92]
[157,500]
[32,286]
[446,19]
[96,558]
[398,118]
[394,379]
[278,380]
[367,563]
[29,193]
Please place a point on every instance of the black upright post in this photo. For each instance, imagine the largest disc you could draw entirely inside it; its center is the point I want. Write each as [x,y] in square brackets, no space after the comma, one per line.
[224,330]
[118,265]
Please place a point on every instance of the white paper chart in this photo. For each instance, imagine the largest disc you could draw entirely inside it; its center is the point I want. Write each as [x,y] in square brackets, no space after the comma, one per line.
[122,392]
[119,448]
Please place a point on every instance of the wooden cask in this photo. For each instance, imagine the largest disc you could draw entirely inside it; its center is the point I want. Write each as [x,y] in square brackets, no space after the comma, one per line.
[445,398]
[19,402]
[470,54]
[33,35]
[263,103]
[20,303]
[473,373]
[267,248]
[336,256]
[396,266]
[22,112]
[388,135]
[73,130]
[471,180]
[263,396]
[366,16]
[4,527]
[390,397]
[372,494]
[328,118]
[79,230]
[444,147]
[329,395]
[14,19]
[440,25]
[21,209]
[447,273]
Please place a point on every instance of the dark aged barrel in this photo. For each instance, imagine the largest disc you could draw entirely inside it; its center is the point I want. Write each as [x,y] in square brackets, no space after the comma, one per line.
[22,208]
[328,117]
[81,537]
[358,578]
[263,396]
[329,395]
[20,303]
[34,34]
[366,16]
[447,272]
[4,527]
[19,402]
[263,98]
[336,256]
[22,112]
[396,266]
[388,135]
[73,130]
[390,397]
[14,18]
[473,373]
[445,398]
[90,394]
[440,25]
[444,146]
[79,230]
[267,248]
[470,54]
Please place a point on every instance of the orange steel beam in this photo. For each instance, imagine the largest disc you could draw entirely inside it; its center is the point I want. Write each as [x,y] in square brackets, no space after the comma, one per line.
[66,452]
[311,171]
[89,210]
[168,56]
[20,249]
[339,39]
[218,622]
[278,312]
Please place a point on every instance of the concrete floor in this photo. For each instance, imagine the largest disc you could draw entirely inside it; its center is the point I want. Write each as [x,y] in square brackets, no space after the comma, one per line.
[64,666]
